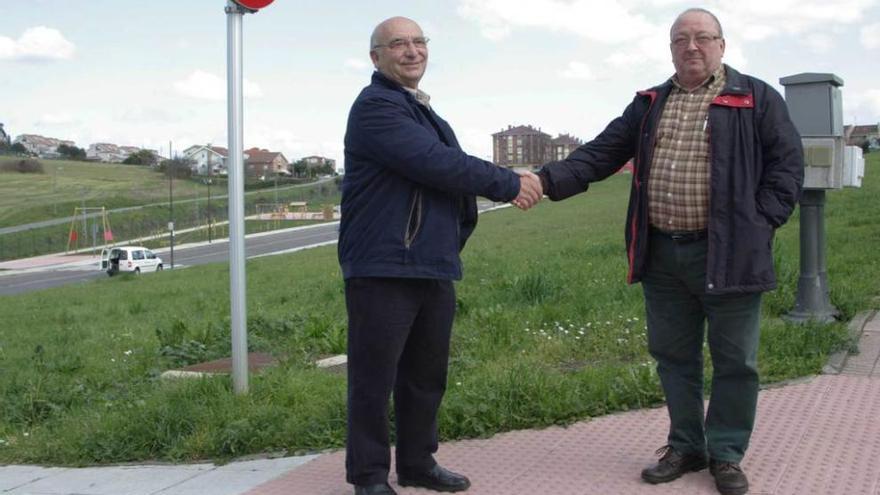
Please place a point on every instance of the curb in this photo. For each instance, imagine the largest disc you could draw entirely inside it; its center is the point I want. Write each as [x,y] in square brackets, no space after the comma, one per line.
[837,361]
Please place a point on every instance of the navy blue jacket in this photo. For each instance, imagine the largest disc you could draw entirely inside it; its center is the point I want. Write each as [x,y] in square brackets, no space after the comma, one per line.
[756,174]
[408,202]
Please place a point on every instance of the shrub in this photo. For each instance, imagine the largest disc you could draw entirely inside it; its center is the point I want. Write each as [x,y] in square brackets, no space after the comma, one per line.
[27,166]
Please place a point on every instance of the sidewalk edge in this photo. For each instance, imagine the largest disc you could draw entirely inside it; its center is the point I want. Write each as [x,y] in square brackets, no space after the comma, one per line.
[837,360]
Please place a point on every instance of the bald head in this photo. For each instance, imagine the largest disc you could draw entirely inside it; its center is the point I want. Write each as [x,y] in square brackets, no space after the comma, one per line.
[696,10]
[380,33]
[399,51]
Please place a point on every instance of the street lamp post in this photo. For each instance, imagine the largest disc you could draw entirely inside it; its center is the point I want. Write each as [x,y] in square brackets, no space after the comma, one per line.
[171,204]
[54,194]
[210,180]
[235,103]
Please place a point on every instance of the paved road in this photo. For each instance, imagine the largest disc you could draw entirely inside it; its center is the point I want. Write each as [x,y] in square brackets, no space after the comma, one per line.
[256,245]
[264,244]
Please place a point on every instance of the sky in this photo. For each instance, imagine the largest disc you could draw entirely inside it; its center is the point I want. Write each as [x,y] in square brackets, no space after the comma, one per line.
[146,73]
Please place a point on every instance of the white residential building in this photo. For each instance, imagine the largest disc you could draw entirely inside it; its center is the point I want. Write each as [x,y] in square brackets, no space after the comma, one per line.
[44,147]
[202,155]
[105,152]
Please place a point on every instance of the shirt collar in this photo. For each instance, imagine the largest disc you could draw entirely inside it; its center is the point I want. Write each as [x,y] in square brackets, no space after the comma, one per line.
[420,96]
[715,77]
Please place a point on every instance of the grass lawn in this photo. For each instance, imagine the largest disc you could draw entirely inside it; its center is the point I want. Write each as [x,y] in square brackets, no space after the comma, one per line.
[547,332]
[26,198]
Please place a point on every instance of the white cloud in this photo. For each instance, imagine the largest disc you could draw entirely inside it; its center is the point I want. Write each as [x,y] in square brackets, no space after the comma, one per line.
[277,139]
[819,43]
[38,43]
[206,86]
[592,20]
[862,107]
[750,18]
[357,64]
[55,119]
[578,70]
[870,36]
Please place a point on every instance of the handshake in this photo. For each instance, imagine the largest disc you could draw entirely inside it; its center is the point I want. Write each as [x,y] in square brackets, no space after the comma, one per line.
[530,190]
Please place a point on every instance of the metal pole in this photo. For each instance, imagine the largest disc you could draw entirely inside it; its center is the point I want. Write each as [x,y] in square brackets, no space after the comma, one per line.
[237,279]
[813,299]
[171,204]
[54,194]
[210,180]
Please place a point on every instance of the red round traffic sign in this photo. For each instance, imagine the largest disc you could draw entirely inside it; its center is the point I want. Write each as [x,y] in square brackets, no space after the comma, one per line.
[253,4]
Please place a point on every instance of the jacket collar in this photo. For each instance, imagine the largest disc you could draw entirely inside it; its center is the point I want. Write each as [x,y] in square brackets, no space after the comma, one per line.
[736,84]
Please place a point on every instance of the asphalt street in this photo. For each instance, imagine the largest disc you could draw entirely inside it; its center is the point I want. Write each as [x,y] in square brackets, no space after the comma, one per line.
[264,244]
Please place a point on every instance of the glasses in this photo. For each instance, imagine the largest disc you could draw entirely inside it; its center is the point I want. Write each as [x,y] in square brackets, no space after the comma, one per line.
[701,40]
[420,43]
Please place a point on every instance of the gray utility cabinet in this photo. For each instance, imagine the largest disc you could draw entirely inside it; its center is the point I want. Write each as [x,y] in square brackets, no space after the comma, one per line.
[816,108]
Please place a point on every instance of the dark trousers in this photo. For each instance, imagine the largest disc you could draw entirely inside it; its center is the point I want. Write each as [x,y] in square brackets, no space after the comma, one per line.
[398,342]
[678,308]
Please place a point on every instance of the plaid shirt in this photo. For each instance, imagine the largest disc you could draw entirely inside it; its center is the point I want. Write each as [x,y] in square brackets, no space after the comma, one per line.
[678,186]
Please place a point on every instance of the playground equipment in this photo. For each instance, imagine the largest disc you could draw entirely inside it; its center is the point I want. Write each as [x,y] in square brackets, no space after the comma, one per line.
[91,221]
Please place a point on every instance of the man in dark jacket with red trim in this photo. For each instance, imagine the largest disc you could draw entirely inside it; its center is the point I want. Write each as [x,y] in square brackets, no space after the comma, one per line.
[408,207]
[718,166]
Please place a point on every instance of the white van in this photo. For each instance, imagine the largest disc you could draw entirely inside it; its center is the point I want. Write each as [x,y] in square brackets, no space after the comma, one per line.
[135,259]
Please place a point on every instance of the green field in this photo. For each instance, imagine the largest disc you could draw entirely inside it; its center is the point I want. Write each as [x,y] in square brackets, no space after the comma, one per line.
[26,198]
[547,332]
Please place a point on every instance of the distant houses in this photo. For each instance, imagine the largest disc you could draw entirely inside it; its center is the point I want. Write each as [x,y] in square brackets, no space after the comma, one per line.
[207,157]
[314,162]
[44,147]
[258,162]
[106,152]
[863,135]
[264,163]
[527,147]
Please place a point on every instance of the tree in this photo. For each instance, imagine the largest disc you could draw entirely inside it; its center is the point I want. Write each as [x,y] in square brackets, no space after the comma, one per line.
[179,168]
[325,169]
[299,168]
[19,149]
[866,146]
[141,157]
[71,152]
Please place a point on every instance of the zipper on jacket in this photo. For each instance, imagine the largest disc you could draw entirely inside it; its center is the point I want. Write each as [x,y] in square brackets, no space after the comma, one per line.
[414,222]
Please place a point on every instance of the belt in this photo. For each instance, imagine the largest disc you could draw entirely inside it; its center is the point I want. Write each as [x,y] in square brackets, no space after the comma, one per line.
[682,237]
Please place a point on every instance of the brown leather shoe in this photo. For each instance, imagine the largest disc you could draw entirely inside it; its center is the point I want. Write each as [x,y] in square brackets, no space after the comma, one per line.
[729,477]
[672,465]
[436,478]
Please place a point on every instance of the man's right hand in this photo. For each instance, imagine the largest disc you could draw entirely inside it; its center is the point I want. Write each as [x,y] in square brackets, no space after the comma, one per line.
[530,190]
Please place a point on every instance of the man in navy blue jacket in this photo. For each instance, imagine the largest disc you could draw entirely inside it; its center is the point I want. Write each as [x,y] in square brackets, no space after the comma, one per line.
[718,166]
[408,206]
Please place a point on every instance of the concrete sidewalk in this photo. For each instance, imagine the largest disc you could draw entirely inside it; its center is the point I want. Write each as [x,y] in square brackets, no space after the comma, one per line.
[820,435]
[161,479]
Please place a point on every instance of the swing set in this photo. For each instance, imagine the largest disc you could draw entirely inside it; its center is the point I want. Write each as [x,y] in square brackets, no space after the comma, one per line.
[85,218]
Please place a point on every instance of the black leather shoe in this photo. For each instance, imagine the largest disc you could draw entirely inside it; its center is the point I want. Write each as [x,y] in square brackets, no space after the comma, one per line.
[379,489]
[729,478]
[672,465]
[436,478]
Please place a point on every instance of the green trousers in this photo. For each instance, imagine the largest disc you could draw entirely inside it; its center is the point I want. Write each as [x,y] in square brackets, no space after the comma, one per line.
[678,309]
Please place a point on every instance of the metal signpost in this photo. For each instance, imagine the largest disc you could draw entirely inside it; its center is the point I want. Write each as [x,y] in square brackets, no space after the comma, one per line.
[237,289]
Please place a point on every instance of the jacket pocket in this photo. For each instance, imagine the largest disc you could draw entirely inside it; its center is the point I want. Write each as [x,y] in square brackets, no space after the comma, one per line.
[414,222]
